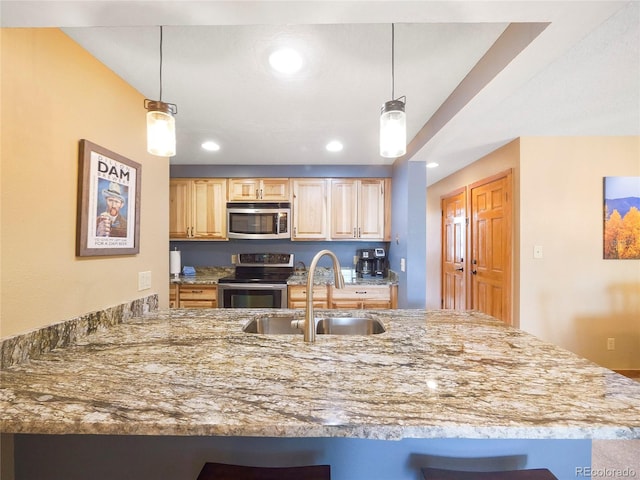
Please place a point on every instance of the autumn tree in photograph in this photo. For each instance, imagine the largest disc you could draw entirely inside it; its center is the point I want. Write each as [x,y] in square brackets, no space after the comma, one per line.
[622,234]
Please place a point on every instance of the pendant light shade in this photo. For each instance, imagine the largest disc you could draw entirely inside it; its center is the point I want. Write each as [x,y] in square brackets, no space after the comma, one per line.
[161,128]
[393,120]
[161,125]
[393,129]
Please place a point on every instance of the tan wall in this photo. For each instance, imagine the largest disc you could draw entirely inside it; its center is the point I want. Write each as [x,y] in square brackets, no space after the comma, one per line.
[570,297]
[54,93]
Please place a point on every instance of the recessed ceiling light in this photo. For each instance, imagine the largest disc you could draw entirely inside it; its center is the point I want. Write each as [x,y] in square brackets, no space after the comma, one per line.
[432,165]
[211,146]
[334,146]
[285,60]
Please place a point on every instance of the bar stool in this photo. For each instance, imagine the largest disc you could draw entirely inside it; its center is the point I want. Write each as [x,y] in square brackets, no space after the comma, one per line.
[534,474]
[222,471]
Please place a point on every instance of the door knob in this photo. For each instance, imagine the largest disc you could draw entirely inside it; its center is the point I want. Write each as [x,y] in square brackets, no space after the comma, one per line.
[461,269]
[474,272]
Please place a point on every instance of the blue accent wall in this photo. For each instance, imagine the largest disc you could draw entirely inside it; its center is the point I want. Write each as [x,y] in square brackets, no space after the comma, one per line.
[409,232]
[283,171]
[208,253]
[196,253]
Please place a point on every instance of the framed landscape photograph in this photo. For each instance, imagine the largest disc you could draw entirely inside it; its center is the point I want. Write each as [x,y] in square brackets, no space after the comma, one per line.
[108,221]
[621,235]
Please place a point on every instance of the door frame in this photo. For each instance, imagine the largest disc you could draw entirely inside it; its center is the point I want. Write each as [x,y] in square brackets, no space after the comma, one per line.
[509,173]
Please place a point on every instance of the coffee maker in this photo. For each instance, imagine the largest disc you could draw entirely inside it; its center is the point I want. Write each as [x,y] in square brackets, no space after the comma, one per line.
[372,263]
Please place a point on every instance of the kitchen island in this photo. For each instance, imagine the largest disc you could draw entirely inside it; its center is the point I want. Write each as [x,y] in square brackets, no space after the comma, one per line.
[442,383]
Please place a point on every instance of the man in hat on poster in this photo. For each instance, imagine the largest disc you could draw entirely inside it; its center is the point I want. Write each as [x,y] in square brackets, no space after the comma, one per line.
[111,223]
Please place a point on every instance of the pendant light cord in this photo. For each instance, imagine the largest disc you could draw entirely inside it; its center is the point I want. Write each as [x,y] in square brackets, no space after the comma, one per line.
[392,61]
[160,62]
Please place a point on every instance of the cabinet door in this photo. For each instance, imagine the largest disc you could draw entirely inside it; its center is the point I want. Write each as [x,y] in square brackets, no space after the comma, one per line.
[371,209]
[309,209]
[265,189]
[344,208]
[173,295]
[243,189]
[298,296]
[274,190]
[179,208]
[209,208]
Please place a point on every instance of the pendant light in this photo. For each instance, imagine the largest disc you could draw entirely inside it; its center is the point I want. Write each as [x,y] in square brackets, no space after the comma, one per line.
[393,120]
[161,125]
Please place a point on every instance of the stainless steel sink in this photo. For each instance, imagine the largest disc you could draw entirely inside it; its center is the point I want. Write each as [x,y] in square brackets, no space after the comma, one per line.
[349,326]
[282,325]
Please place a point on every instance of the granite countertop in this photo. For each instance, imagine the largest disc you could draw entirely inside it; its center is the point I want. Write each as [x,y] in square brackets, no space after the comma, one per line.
[433,374]
[204,276]
[322,276]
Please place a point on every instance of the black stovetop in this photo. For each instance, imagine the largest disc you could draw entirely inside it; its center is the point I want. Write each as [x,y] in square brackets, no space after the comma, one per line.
[261,268]
[259,275]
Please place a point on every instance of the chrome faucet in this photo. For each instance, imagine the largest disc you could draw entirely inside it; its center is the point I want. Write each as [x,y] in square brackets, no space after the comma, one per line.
[309,317]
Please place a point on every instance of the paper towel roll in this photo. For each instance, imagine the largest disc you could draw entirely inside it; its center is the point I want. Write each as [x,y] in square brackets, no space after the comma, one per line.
[174,262]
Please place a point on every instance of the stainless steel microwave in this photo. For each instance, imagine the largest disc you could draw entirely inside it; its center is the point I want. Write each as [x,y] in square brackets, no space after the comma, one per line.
[259,220]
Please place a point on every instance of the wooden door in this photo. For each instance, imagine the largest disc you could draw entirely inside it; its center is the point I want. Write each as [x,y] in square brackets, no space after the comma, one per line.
[274,189]
[454,234]
[491,246]
[243,189]
[179,208]
[371,209]
[344,208]
[309,209]
[209,208]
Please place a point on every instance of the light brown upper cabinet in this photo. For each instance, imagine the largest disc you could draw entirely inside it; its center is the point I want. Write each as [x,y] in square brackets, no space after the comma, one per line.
[310,216]
[197,208]
[263,189]
[358,209]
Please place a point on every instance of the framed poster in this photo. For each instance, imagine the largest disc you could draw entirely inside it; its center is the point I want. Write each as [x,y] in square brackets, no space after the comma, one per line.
[108,221]
[621,233]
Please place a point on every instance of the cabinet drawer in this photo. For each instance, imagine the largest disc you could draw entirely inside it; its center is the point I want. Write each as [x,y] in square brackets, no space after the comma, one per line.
[362,292]
[303,304]
[198,303]
[199,292]
[299,292]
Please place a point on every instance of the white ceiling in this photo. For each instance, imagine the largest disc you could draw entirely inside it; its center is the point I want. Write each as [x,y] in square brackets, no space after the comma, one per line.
[476,74]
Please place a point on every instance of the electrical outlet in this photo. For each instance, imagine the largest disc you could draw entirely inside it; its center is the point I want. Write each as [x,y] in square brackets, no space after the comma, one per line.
[144,280]
[537,251]
[611,343]
[403,265]
[234,259]
[355,259]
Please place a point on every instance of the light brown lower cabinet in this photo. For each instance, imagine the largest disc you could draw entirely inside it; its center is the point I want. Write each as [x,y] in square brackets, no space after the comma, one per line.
[351,297]
[298,296]
[173,295]
[367,297]
[195,296]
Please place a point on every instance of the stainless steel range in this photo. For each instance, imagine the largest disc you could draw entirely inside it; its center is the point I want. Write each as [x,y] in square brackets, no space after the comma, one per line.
[260,281]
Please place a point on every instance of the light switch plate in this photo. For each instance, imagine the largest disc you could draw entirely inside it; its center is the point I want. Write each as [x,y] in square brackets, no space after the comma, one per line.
[144,280]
